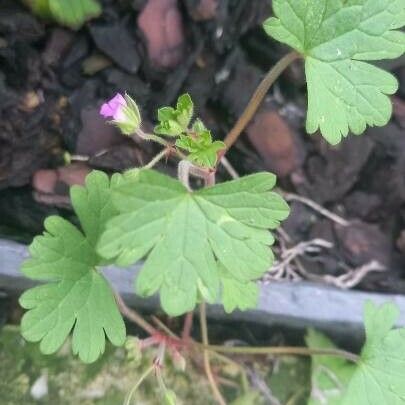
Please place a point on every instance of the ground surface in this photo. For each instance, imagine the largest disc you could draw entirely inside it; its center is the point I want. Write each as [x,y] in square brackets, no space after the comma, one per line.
[28,377]
[53,80]
[52,83]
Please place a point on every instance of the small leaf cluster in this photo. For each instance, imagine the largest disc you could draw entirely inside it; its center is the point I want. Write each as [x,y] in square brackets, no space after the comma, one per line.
[196,140]
[175,121]
[203,151]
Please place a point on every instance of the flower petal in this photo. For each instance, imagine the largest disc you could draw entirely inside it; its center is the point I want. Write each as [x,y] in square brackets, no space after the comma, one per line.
[112,108]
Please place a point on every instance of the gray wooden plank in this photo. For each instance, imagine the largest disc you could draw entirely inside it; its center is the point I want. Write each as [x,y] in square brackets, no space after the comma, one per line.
[293,305]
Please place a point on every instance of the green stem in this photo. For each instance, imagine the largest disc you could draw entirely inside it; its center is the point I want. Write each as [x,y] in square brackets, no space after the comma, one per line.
[299,351]
[258,97]
[156,159]
[151,137]
[133,316]
[137,385]
[207,366]
[160,141]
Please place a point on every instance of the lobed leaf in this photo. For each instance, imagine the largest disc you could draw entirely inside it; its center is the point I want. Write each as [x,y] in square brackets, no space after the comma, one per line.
[379,375]
[76,295]
[185,237]
[335,36]
[175,121]
[203,151]
[330,376]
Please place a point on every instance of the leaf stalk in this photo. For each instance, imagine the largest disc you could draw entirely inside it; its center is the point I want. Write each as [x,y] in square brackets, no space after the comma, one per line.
[258,97]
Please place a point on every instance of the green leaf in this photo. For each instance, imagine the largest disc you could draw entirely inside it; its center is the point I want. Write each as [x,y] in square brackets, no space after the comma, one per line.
[72,13]
[39,7]
[185,109]
[238,295]
[198,126]
[173,122]
[76,295]
[379,376]
[335,36]
[185,237]
[330,375]
[202,150]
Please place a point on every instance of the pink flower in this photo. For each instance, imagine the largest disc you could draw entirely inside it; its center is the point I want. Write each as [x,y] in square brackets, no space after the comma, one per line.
[114,108]
[124,113]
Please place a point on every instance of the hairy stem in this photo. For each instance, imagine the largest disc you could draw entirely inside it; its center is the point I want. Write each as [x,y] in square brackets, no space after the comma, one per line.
[156,159]
[134,316]
[207,366]
[258,97]
[151,137]
[160,141]
[298,351]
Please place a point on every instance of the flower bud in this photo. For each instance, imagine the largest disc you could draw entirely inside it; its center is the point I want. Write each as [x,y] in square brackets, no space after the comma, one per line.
[124,113]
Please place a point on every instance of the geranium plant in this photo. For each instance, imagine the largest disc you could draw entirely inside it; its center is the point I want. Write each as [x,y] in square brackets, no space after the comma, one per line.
[212,245]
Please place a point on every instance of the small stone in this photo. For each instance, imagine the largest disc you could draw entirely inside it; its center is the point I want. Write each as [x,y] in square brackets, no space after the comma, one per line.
[95,63]
[59,42]
[96,134]
[31,100]
[341,167]
[40,387]
[276,142]
[125,82]
[360,204]
[77,52]
[44,181]
[118,44]
[362,242]
[299,222]
[73,174]
[202,10]
[165,40]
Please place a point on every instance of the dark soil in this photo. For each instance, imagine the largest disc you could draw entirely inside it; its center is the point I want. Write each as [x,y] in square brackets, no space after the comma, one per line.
[53,81]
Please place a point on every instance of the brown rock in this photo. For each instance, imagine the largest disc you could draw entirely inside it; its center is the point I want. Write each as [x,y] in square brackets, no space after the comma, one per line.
[58,43]
[161,24]
[341,167]
[202,10]
[96,134]
[58,181]
[238,74]
[360,204]
[362,242]
[275,141]
[74,174]
[44,181]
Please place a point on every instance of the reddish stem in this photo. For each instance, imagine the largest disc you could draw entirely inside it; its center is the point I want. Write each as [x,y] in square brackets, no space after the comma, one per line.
[188,324]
